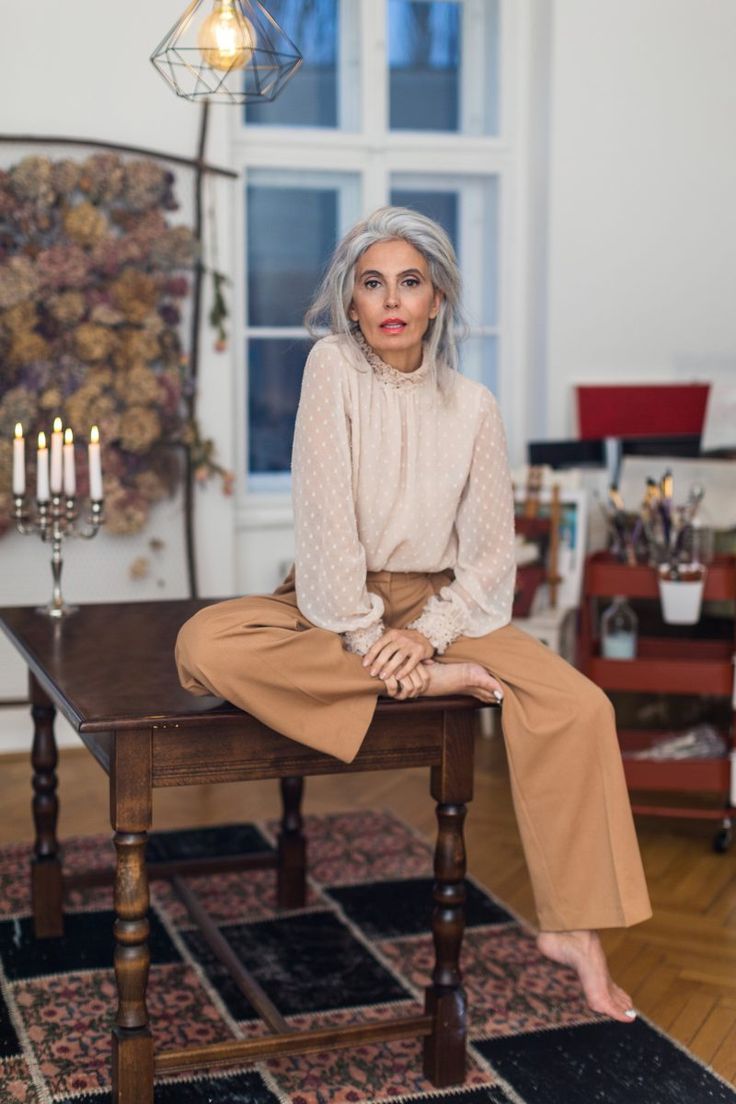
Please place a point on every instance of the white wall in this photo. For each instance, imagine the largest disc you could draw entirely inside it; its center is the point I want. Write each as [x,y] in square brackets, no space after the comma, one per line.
[642,218]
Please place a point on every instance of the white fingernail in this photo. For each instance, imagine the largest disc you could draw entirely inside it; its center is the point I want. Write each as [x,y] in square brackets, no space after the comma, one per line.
[498,695]
[631,1013]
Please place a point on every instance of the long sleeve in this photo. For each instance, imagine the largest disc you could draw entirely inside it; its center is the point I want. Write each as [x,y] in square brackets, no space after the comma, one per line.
[330,563]
[480,597]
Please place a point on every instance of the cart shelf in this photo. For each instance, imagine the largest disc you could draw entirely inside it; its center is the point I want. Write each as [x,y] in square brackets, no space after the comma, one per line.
[683,662]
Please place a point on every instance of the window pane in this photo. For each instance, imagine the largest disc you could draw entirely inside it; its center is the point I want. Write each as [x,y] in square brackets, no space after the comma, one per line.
[440,206]
[310,97]
[424,56]
[290,234]
[275,369]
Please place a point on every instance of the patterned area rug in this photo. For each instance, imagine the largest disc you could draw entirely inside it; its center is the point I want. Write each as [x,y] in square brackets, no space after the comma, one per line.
[360,949]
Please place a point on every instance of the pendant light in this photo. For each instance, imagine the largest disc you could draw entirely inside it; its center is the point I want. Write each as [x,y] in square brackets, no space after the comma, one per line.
[226,51]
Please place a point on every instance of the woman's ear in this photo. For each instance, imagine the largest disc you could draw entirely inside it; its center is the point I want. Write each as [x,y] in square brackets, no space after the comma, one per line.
[352,313]
[434,310]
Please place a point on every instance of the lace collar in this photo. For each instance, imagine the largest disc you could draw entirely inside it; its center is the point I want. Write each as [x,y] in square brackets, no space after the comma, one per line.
[392,377]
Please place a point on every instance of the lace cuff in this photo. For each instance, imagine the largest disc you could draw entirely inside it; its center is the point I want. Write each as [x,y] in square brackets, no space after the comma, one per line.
[361,641]
[443,619]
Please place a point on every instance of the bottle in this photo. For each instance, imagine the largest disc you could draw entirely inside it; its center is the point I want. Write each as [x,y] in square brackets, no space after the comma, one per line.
[619,630]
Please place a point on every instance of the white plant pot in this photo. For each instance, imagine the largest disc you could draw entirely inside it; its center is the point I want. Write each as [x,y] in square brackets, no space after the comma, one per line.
[681,601]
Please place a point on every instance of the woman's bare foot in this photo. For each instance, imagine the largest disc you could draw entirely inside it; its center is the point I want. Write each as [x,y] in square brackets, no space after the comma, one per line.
[582,951]
[461,678]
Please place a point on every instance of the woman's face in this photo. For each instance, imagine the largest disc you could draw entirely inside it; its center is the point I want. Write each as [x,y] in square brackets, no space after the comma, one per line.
[393,302]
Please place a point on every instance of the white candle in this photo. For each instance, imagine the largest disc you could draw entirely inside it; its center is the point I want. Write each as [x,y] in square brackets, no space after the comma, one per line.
[70,476]
[19,462]
[57,440]
[95,465]
[42,470]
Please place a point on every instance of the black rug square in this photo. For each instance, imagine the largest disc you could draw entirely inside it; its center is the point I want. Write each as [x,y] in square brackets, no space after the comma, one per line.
[388,910]
[627,1064]
[235,1088]
[9,1044]
[87,944]
[484,1094]
[205,843]
[306,963]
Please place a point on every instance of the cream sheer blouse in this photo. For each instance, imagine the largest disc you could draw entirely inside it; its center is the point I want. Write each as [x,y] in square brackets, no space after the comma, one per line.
[388,475]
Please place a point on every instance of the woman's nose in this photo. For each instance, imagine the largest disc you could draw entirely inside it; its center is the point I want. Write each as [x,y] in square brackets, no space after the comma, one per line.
[392,297]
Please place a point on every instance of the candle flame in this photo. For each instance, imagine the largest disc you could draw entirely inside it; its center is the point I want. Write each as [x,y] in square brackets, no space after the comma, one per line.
[18,430]
[68,437]
[42,440]
[94,434]
[57,425]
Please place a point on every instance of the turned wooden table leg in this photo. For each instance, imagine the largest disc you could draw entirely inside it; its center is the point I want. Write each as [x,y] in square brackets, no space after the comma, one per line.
[445,1048]
[46,877]
[130,813]
[292,858]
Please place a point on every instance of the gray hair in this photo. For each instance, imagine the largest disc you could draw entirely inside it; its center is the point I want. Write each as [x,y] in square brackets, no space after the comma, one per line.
[331,304]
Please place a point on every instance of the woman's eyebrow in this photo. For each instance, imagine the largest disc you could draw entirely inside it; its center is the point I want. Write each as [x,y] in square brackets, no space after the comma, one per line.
[375,272]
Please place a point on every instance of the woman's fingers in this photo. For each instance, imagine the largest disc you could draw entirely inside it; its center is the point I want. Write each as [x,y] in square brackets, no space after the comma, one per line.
[412,685]
[393,689]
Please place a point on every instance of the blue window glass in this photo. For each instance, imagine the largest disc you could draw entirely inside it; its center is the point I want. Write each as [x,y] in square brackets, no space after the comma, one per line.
[440,206]
[310,98]
[275,369]
[290,233]
[479,361]
[424,59]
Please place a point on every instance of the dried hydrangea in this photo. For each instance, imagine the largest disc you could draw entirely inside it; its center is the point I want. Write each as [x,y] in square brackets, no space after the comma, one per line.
[6,462]
[106,315]
[51,399]
[103,177]
[93,342]
[135,346]
[176,248]
[18,282]
[87,407]
[135,293]
[31,181]
[146,184]
[151,486]
[65,177]
[140,427]
[26,347]
[85,224]
[63,266]
[126,511]
[24,316]
[66,308]
[138,385]
[18,405]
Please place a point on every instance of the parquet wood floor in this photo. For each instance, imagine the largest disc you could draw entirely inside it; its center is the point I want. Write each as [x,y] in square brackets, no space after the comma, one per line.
[680,967]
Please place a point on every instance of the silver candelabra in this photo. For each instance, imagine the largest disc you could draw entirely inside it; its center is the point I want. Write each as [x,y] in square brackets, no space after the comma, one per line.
[54,520]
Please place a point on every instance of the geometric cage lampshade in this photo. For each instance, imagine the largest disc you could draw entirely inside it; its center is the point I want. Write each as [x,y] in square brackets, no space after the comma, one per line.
[226,51]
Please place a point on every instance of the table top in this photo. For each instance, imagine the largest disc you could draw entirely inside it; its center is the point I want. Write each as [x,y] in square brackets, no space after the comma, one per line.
[111,666]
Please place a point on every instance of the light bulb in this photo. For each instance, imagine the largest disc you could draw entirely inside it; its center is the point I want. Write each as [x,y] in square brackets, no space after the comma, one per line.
[226,38]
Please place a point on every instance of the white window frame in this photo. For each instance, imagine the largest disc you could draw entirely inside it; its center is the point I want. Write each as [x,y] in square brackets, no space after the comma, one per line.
[375,155]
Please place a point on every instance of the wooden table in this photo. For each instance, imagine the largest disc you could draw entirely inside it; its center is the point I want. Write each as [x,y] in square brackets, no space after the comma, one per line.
[109,669]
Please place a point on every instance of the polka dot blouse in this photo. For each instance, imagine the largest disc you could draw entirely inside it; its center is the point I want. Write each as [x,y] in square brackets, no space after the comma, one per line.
[391,474]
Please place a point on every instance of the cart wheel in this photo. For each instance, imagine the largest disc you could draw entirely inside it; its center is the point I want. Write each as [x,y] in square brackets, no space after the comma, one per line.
[723,838]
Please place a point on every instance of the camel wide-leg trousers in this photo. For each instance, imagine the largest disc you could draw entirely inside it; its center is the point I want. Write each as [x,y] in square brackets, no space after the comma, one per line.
[260,653]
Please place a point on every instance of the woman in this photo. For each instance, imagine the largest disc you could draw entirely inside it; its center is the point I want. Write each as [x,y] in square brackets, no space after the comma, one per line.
[403,583]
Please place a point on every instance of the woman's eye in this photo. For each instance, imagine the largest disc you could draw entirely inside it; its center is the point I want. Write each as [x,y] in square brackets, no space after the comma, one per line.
[411,281]
[371,284]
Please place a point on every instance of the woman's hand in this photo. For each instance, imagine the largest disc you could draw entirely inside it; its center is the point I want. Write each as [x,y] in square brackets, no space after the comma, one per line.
[398,654]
